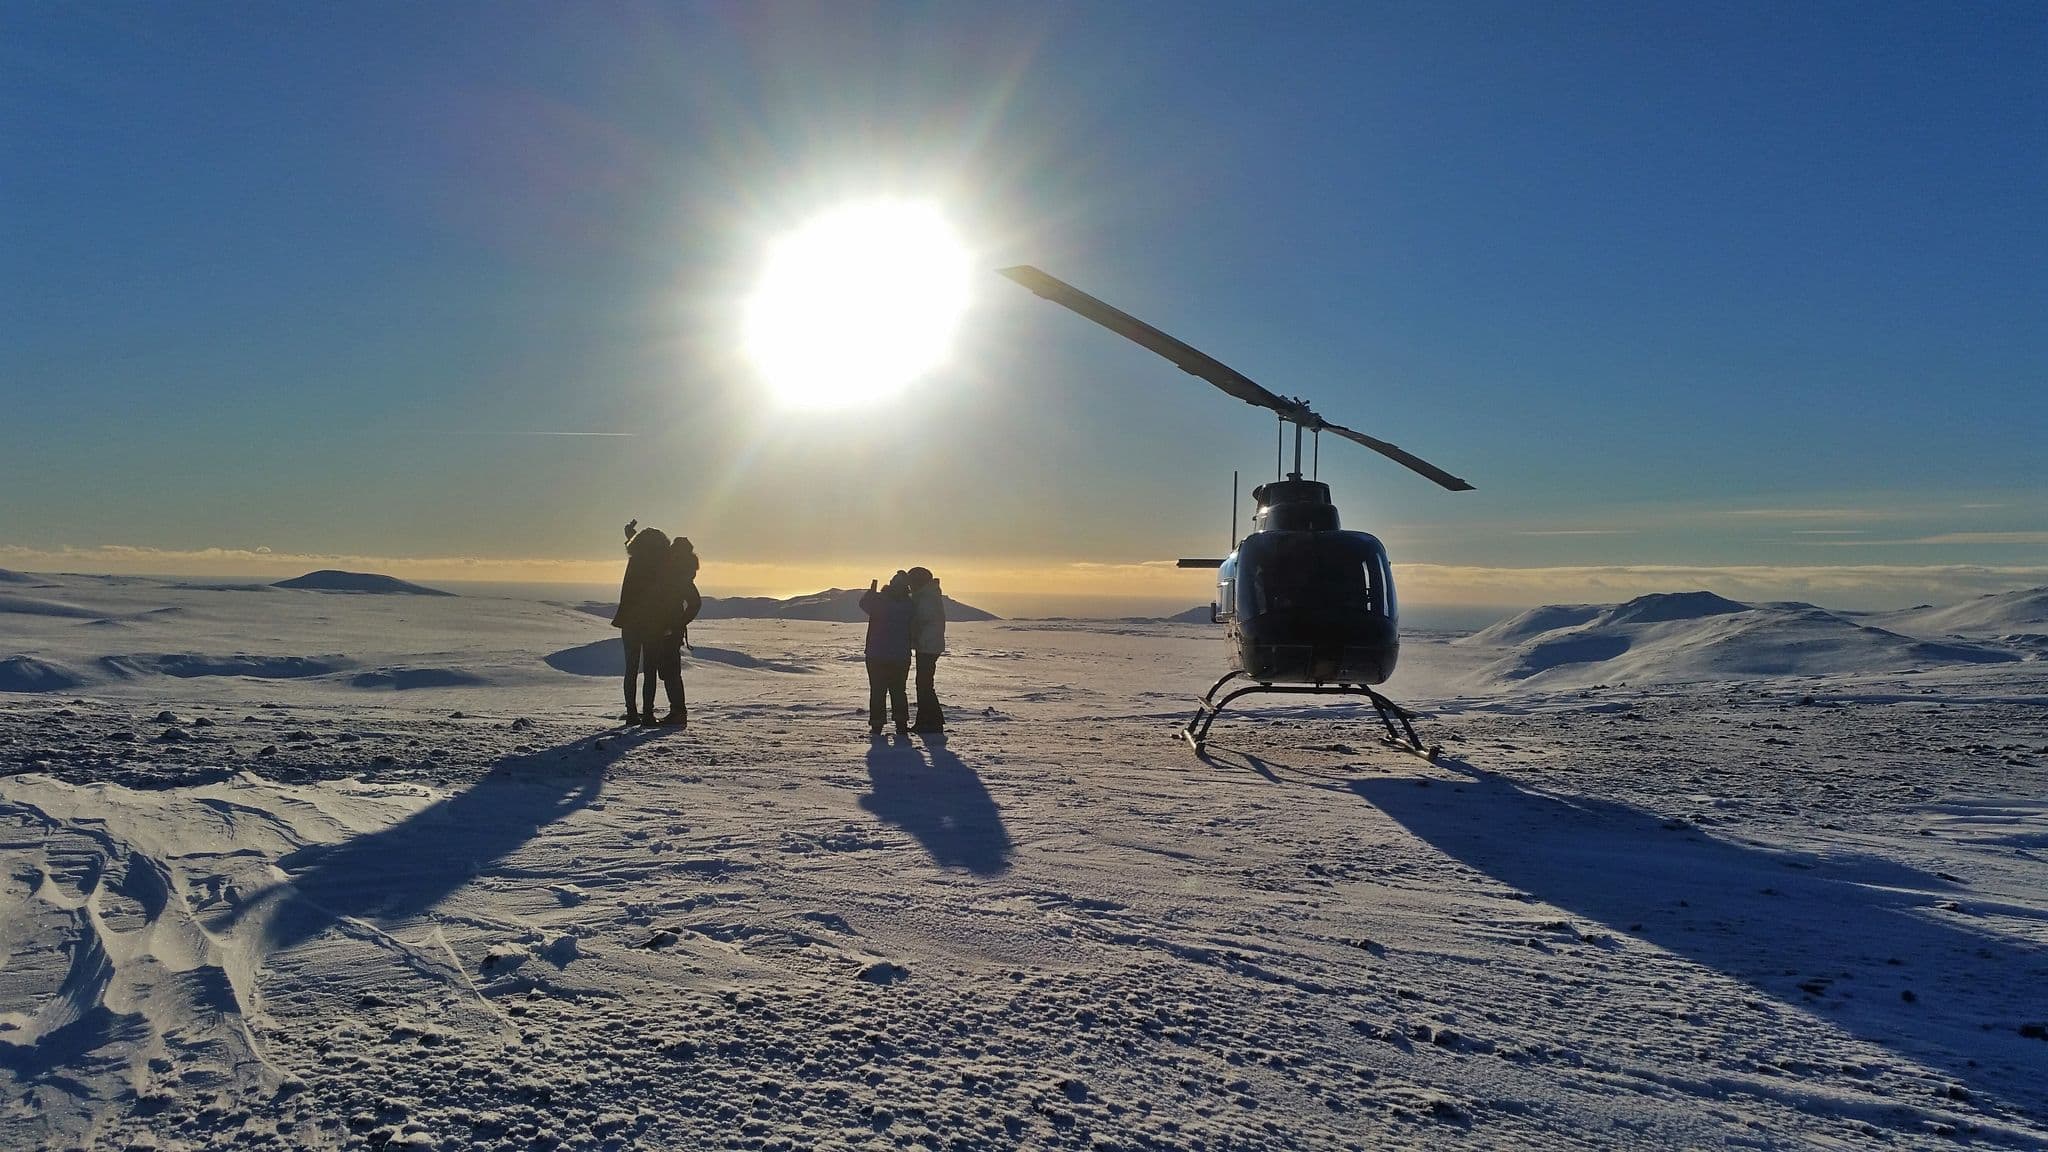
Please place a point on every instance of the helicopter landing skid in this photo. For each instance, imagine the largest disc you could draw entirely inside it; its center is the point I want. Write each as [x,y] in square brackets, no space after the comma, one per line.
[1196,732]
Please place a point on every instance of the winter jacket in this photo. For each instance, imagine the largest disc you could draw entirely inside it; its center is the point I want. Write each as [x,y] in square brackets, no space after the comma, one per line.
[888,624]
[640,602]
[928,619]
[677,590]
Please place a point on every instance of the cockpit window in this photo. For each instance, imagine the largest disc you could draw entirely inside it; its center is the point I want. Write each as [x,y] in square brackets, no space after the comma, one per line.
[1315,570]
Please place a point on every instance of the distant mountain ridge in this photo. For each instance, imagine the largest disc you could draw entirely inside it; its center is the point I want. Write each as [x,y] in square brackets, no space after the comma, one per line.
[370,583]
[834,605]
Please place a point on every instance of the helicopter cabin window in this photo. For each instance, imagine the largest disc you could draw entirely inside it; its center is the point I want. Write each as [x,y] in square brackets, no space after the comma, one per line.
[1317,571]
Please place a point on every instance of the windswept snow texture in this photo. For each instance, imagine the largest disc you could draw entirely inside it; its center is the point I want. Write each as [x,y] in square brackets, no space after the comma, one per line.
[13,605]
[1698,636]
[331,580]
[322,912]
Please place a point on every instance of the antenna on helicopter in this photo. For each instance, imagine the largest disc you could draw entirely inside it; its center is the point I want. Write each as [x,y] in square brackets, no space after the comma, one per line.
[1197,363]
[1232,542]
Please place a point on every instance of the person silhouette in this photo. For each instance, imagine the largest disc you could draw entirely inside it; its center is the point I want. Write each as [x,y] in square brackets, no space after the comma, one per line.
[640,618]
[928,639]
[680,603]
[888,652]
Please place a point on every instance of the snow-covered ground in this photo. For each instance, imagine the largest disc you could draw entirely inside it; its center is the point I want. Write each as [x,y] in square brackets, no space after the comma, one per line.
[292,868]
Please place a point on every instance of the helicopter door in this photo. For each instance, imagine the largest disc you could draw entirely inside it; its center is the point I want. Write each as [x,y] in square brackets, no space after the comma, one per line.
[1385,584]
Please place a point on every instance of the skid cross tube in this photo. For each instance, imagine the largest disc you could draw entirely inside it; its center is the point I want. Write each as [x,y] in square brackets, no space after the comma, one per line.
[1196,731]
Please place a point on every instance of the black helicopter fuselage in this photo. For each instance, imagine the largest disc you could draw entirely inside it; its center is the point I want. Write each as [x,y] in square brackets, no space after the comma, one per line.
[1305,601]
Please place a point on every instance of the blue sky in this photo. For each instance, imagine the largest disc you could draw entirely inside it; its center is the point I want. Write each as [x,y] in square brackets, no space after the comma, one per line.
[1743,296]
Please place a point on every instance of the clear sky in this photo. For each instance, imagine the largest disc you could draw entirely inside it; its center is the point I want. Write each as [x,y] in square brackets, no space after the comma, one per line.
[1743,296]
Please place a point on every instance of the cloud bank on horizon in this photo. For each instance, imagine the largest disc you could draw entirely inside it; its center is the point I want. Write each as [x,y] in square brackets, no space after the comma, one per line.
[1020,587]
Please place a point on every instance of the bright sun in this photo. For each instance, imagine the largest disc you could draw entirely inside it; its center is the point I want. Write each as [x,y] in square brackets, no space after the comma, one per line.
[857,303]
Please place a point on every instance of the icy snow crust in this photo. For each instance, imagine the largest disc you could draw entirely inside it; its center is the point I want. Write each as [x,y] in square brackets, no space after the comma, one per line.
[304,870]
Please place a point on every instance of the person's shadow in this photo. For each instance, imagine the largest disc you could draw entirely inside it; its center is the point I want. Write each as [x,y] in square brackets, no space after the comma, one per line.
[1856,940]
[407,868]
[937,798]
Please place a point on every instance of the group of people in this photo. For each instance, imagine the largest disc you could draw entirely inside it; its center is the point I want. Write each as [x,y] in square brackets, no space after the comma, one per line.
[657,601]
[659,598]
[906,620]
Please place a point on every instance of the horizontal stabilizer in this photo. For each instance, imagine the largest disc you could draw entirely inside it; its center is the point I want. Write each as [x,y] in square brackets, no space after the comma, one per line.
[1184,562]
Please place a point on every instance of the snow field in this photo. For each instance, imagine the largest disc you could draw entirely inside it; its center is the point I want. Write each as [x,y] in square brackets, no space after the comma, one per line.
[1772,911]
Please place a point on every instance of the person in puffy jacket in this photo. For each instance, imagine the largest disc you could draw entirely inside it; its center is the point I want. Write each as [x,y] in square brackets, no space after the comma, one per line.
[641,619]
[928,639]
[676,591]
[888,652]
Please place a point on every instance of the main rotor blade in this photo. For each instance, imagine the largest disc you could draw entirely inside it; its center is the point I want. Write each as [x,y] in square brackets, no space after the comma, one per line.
[1186,357]
[1400,456]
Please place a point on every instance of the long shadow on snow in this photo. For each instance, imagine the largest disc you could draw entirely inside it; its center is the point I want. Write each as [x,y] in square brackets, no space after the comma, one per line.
[405,869]
[1840,937]
[940,801]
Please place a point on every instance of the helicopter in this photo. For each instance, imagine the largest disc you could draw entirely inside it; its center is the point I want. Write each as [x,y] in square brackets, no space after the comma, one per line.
[1309,607]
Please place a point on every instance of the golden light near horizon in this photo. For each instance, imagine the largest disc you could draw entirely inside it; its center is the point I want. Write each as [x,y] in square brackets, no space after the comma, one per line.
[857,303]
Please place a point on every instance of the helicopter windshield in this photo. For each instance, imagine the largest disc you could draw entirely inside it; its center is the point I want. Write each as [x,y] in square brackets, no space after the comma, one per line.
[1317,570]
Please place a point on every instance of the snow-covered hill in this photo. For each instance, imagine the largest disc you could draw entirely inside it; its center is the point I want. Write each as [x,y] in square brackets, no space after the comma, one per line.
[1698,636]
[371,583]
[2024,612]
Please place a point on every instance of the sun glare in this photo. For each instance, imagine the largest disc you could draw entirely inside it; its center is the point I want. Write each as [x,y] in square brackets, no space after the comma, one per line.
[857,304]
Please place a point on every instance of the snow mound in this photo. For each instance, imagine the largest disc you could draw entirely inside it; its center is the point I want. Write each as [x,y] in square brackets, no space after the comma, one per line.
[12,605]
[331,580]
[1680,639]
[27,674]
[9,576]
[403,679]
[1199,614]
[608,658]
[1998,614]
[187,665]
